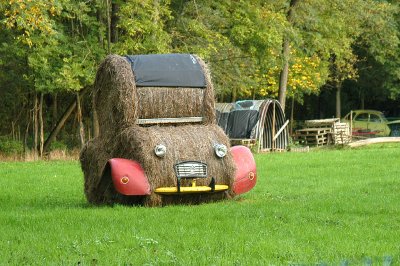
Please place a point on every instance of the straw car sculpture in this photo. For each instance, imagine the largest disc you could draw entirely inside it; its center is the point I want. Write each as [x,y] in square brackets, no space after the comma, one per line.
[159,142]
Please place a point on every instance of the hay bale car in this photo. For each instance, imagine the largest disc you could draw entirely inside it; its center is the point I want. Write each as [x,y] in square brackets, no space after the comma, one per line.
[159,142]
[372,123]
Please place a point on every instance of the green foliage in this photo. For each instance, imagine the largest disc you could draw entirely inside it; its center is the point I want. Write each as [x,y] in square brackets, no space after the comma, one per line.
[10,147]
[58,145]
[56,46]
[59,40]
[238,39]
[142,27]
[308,209]
[241,40]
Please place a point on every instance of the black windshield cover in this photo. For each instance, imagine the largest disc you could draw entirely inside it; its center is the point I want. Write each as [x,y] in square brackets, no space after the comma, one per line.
[167,70]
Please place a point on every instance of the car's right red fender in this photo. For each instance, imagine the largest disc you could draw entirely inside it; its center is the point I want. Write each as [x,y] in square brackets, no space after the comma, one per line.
[246,172]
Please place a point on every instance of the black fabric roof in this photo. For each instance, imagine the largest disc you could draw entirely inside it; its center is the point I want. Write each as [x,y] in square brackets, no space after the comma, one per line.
[167,70]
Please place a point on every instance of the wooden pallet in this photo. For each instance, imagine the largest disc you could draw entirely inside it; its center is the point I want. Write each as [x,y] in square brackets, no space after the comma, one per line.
[341,133]
[313,136]
[313,131]
[315,141]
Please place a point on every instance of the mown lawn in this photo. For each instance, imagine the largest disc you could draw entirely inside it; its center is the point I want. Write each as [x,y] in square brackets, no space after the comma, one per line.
[339,207]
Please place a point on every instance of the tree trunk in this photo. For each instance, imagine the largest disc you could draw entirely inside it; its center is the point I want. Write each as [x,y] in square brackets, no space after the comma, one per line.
[54,115]
[35,128]
[41,125]
[13,130]
[114,22]
[61,121]
[26,134]
[338,101]
[108,7]
[59,126]
[283,78]
[234,90]
[234,94]
[54,111]
[79,116]
[100,20]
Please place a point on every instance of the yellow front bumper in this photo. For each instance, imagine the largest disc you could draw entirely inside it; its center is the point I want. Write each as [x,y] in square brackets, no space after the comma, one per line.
[188,190]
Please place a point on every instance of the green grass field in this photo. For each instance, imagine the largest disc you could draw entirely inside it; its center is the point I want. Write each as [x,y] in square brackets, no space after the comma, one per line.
[325,207]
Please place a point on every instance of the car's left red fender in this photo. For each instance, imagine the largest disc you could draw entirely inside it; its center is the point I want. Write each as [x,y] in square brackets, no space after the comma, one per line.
[246,172]
[129,177]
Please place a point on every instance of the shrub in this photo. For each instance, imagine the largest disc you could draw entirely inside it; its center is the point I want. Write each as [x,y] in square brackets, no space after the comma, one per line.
[58,145]
[9,146]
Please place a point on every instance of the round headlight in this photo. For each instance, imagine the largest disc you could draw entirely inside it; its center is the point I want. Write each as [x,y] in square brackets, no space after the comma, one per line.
[160,150]
[220,150]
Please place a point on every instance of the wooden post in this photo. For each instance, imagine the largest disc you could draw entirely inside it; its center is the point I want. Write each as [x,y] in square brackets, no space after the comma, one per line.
[351,124]
[281,130]
[273,127]
[291,117]
[338,100]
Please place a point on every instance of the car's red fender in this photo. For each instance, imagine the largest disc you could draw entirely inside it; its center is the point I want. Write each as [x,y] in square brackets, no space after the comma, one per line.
[246,173]
[128,177]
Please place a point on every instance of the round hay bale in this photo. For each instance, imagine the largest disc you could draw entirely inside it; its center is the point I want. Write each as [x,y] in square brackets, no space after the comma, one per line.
[119,102]
[137,143]
[167,102]
[115,95]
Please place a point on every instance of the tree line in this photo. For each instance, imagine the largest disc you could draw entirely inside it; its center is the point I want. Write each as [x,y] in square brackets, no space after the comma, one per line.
[283,49]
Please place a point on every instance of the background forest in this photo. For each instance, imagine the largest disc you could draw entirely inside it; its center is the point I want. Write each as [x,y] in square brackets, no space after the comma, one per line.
[319,58]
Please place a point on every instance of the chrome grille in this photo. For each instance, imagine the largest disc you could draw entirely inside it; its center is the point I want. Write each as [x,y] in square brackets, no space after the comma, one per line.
[191,169]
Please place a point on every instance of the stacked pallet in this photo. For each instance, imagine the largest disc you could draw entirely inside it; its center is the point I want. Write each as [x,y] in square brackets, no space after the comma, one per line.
[341,133]
[321,122]
[313,136]
[323,131]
